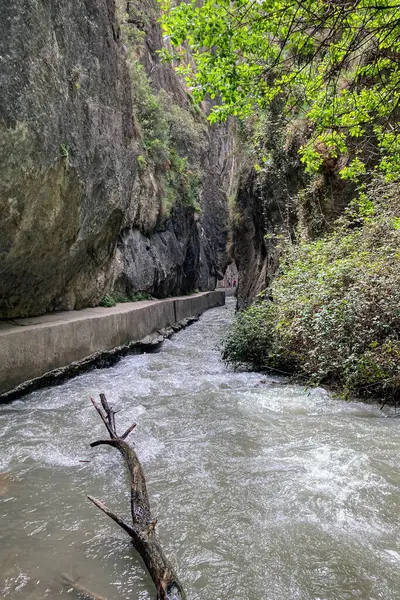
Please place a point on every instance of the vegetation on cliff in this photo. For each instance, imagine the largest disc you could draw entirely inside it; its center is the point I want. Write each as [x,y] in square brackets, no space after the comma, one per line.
[172,136]
[333,312]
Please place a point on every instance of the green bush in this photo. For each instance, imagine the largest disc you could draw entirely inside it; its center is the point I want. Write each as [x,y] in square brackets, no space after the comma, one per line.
[151,117]
[140,296]
[333,314]
[181,183]
[118,297]
[107,301]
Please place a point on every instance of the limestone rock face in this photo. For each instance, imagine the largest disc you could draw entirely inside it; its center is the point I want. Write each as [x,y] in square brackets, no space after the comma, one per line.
[77,215]
[164,261]
[67,157]
[280,200]
[265,210]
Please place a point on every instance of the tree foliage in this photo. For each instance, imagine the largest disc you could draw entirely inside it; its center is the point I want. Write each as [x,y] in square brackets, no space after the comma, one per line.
[335,63]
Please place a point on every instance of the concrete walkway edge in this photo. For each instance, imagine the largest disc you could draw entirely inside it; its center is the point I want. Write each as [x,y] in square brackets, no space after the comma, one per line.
[31,348]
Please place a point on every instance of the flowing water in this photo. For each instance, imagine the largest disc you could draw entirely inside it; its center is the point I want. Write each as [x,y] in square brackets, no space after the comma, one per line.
[262,490]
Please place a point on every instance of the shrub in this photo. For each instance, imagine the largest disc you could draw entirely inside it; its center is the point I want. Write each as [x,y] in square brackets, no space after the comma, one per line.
[182,183]
[140,296]
[107,301]
[119,297]
[335,310]
[172,141]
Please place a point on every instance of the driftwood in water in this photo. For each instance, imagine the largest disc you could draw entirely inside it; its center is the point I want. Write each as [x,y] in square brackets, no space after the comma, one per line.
[142,529]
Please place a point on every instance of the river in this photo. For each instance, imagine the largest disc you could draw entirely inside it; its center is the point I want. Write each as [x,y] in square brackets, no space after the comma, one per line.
[263,491]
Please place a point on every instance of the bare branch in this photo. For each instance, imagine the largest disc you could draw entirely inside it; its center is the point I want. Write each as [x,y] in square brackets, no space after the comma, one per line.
[102,417]
[128,431]
[119,520]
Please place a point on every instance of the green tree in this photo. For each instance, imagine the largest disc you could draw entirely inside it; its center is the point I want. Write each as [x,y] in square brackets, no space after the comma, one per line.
[334,63]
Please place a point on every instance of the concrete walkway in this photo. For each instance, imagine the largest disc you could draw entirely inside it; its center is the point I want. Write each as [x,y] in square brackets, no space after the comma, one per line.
[33,347]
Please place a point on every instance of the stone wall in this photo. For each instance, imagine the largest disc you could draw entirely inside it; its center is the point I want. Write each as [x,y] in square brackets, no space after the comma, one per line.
[31,348]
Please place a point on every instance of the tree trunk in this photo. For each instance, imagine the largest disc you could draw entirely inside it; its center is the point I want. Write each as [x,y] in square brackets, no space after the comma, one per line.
[142,529]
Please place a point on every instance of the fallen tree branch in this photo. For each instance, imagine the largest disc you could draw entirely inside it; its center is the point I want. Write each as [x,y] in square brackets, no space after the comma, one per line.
[119,520]
[142,531]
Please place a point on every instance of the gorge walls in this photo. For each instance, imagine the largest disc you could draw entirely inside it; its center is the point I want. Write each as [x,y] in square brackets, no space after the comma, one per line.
[277,201]
[110,179]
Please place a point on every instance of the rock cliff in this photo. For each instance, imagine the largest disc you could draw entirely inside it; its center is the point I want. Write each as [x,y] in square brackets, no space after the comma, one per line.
[110,178]
[279,200]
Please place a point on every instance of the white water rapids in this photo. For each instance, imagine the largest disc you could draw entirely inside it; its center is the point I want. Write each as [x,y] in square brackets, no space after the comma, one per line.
[263,491]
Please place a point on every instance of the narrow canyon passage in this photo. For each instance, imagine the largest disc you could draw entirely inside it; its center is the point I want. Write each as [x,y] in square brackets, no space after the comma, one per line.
[263,491]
